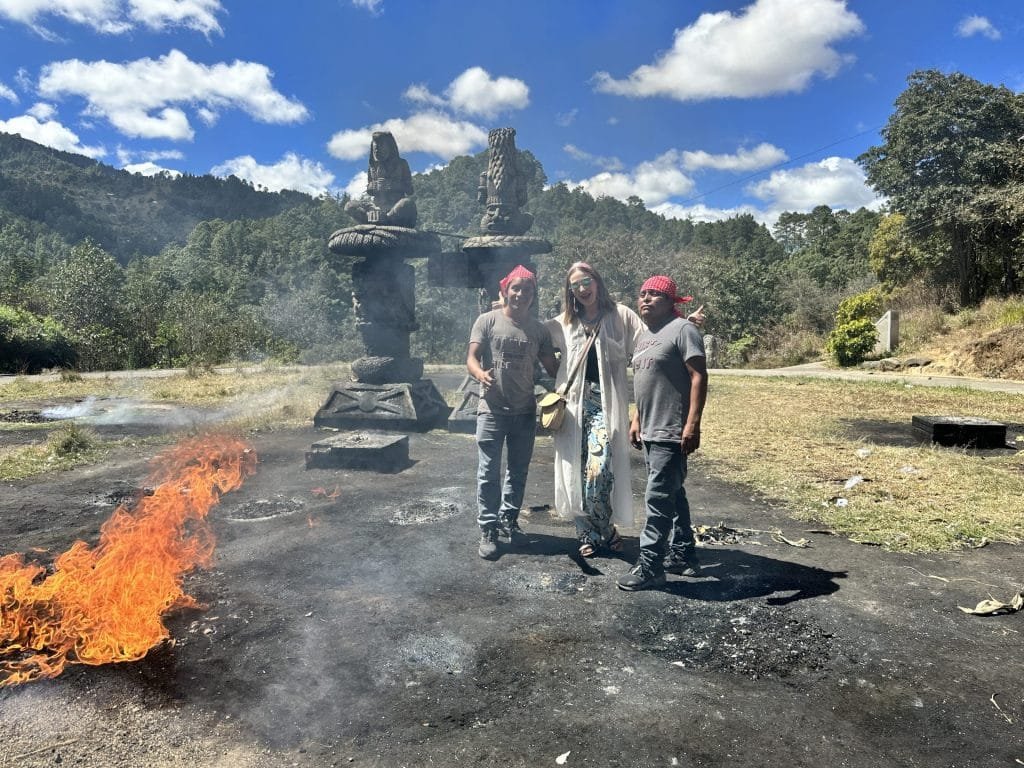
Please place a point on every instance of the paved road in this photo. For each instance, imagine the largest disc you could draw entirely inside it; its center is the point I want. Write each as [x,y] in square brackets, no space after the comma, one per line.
[815,370]
[919,379]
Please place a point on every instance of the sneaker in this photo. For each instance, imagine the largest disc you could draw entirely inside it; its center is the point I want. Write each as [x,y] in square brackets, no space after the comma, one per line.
[682,564]
[642,576]
[515,535]
[488,548]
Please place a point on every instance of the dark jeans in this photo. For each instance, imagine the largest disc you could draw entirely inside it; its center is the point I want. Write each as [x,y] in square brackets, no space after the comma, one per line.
[497,500]
[668,510]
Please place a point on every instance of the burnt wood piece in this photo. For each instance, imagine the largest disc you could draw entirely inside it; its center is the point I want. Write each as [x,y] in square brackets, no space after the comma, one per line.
[967,431]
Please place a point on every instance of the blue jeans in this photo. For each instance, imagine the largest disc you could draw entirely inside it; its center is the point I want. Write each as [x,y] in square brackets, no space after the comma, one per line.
[668,509]
[497,501]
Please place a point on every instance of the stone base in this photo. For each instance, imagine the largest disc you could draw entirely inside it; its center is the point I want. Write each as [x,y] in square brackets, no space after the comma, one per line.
[961,430]
[463,417]
[360,450]
[401,407]
[373,240]
[380,369]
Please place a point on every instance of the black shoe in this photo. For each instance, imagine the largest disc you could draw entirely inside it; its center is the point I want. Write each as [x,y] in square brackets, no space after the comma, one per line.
[682,564]
[488,548]
[642,576]
[513,533]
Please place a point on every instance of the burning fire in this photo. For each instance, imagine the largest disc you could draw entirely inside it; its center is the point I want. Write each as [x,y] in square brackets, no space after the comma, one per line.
[104,604]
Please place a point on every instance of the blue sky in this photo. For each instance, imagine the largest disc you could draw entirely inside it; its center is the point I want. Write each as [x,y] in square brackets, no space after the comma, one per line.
[702,109]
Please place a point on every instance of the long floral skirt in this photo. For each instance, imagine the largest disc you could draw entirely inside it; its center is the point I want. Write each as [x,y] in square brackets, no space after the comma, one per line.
[595,525]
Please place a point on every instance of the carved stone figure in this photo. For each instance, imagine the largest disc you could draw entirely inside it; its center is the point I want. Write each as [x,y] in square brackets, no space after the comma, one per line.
[389,186]
[502,187]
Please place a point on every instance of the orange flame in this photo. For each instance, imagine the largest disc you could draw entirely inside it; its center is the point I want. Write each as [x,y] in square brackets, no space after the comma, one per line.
[104,604]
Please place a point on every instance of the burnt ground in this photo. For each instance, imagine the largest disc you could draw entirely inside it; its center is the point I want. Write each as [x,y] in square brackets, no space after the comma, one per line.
[364,630]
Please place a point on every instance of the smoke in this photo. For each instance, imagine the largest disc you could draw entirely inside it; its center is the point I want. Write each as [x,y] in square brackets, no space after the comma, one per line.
[128,412]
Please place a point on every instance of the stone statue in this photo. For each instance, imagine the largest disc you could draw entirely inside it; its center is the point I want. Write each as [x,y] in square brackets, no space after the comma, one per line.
[503,187]
[389,186]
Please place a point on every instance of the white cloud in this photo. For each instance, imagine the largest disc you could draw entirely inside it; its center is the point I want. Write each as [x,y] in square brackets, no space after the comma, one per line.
[356,186]
[198,15]
[150,169]
[837,182]
[373,6]
[565,119]
[977,25]
[116,16]
[431,132]
[744,160]
[139,98]
[42,111]
[420,94]
[51,133]
[653,181]
[129,156]
[704,213]
[290,172]
[773,46]
[24,79]
[607,163]
[474,92]
[7,93]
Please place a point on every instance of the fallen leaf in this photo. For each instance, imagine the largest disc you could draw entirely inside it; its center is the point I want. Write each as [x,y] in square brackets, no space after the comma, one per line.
[563,757]
[992,607]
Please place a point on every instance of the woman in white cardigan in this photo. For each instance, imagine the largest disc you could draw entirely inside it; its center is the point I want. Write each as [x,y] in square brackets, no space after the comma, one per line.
[592,472]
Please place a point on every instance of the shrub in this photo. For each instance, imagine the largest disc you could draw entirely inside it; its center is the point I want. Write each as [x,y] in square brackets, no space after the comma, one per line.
[863,306]
[851,342]
[70,440]
[29,343]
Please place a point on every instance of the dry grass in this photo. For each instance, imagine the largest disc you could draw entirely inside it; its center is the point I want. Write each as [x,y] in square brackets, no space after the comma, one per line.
[246,400]
[788,439]
[799,441]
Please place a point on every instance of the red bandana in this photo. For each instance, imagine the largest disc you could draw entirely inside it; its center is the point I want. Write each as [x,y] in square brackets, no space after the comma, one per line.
[667,286]
[519,272]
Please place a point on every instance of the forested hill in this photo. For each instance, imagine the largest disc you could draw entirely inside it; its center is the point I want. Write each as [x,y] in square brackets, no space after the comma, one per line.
[142,271]
[127,214]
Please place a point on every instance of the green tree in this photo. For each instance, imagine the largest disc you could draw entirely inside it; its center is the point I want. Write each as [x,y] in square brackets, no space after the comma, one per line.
[949,156]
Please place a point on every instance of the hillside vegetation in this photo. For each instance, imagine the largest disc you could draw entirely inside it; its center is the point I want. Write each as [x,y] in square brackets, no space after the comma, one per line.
[120,270]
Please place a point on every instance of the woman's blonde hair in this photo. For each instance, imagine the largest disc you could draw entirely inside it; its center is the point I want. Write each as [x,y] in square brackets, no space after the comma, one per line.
[572,307]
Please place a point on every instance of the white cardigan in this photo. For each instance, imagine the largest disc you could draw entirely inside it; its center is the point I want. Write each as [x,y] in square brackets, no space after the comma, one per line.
[615,343]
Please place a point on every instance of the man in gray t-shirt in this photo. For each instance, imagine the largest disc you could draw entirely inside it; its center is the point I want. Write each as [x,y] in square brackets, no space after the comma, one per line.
[670,385]
[504,347]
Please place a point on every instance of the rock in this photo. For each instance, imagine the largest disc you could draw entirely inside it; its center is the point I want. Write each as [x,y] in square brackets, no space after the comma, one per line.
[917,362]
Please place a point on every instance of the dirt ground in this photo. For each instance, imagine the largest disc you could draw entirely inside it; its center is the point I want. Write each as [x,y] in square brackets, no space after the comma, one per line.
[364,630]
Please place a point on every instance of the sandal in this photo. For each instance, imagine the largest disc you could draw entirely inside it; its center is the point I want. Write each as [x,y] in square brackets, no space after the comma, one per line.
[614,541]
[587,548]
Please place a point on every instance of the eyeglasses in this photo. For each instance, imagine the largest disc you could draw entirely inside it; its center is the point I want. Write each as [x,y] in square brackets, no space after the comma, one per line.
[583,282]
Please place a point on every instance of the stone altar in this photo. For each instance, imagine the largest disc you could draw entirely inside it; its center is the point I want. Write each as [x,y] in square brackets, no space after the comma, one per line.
[389,392]
[503,243]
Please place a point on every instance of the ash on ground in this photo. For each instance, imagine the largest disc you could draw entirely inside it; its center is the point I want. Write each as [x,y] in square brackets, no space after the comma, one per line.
[751,640]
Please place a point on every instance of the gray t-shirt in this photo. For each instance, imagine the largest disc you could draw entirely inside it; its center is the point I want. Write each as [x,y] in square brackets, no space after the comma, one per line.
[661,381]
[512,351]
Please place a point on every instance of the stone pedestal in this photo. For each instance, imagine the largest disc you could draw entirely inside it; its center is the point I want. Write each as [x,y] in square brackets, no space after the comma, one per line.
[389,391]
[360,450]
[399,406]
[490,257]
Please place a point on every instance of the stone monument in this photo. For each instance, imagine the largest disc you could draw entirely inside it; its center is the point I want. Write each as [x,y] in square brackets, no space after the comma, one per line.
[503,243]
[388,391]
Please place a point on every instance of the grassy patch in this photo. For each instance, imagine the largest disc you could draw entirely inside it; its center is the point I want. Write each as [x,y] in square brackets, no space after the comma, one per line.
[795,440]
[801,440]
[68,446]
